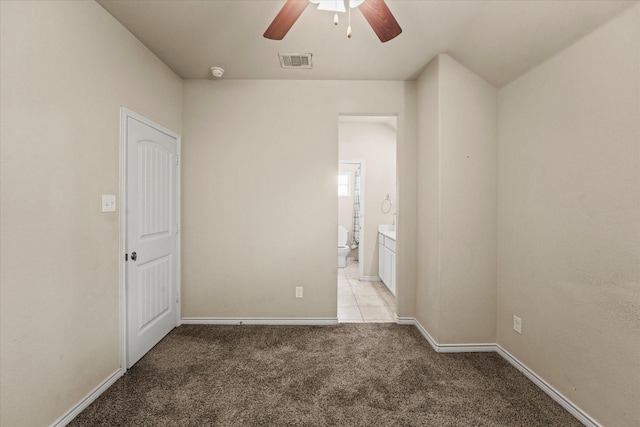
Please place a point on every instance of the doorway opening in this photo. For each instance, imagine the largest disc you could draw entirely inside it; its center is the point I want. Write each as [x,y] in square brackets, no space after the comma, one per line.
[366,208]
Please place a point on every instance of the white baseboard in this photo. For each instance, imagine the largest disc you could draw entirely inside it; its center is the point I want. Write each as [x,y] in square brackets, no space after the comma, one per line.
[426,335]
[87,400]
[371,279]
[405,320]
[574,410]
[578,413]
[452,348]
[316,321]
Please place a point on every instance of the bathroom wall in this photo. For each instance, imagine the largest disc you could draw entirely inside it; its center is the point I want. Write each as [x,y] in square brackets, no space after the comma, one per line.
[375,143]
[65,69]
[270,191]
[457,204]
[569,209]
[345,206]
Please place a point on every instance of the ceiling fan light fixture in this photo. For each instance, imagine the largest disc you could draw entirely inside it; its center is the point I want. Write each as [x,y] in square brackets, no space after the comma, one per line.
[336,5]
[376,12]
[332,5]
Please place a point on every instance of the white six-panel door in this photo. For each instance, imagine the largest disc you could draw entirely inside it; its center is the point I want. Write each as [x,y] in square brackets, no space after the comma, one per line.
[151,235]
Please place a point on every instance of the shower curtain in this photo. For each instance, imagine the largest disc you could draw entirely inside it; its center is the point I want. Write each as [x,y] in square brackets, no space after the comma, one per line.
[355,235]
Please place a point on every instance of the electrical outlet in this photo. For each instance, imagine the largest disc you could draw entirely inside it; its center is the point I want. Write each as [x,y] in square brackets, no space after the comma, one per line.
[108,203]
[298,291]
[517,324]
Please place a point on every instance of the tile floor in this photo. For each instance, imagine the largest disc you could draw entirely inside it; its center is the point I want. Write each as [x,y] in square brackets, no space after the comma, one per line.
[363,301]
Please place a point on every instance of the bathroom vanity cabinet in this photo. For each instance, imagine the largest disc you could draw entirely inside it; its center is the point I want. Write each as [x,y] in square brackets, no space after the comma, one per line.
[387,259]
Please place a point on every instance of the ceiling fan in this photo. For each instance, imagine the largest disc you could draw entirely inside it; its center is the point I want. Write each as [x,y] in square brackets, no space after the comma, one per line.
[376,12]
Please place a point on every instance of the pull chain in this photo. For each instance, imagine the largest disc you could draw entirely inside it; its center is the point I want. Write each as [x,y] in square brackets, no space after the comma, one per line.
[349,27]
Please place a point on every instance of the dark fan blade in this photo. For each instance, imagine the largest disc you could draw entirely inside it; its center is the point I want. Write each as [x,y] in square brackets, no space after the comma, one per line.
[381,19]
[285,19]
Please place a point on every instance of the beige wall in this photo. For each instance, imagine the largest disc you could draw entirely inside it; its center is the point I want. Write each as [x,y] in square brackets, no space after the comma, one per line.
[569,206]
[375,143]
[259,202]
[427,305]
[66,68]
[406,192]
[468,204]
[457,204]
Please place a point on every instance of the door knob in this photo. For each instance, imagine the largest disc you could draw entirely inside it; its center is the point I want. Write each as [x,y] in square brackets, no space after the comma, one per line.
[134,256]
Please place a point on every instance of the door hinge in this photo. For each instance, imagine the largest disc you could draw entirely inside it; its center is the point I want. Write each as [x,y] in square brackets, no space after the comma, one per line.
[126,257]
[177,229]
[177,160]
[177,297]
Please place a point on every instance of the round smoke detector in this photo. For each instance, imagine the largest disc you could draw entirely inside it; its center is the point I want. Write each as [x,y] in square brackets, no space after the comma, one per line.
[216,72]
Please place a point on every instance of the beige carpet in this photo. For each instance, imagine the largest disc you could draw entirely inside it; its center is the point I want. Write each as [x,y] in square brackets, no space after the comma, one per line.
[346,375]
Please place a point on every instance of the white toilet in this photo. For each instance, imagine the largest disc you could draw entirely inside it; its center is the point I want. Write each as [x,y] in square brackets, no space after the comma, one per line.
[343,249]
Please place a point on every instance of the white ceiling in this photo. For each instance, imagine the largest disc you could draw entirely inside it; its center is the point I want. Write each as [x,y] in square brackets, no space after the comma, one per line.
[499,40]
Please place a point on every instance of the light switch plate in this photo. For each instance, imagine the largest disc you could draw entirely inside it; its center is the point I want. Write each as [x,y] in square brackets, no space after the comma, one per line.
[517,324]
[108,203]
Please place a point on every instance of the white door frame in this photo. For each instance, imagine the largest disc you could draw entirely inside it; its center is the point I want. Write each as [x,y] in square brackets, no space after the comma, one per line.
[124,114]
[362,216]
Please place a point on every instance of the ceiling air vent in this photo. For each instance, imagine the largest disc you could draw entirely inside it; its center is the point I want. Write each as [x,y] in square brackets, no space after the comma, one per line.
[295,60]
